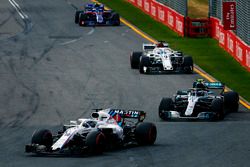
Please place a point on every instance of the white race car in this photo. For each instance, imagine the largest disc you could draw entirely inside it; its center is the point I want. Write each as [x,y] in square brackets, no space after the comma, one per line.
[106,129]
[160,57]
[205,101]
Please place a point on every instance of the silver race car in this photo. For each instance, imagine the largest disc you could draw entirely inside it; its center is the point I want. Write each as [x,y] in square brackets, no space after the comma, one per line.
[205,101]
[106,129]
[161,58]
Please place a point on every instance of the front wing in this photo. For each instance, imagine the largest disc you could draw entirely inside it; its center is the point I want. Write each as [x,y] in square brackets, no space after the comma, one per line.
[174,115]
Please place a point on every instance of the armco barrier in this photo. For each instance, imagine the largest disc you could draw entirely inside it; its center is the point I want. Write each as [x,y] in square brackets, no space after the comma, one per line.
[231,43]
[162,13]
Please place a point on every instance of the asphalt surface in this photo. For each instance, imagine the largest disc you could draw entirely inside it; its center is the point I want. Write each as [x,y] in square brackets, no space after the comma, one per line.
[53,71]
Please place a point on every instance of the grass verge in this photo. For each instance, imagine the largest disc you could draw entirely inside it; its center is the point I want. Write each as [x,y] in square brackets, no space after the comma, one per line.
[205,51]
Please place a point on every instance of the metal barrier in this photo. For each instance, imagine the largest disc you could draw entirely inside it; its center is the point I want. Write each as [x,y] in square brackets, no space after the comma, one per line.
[178,5]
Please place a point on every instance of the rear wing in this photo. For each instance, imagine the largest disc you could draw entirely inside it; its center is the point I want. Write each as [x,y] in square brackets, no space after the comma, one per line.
[209,85]
[150,47]
[135,114]
[215,85]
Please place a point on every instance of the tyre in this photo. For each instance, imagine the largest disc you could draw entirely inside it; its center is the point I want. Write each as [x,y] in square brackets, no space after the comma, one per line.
[145,133]
[42,137]
[82,19]
[231,101]
[95,141]
[116,19]
[188,65]
[144,62]
[217,108]
[135,59]
[77,14]
[166,104]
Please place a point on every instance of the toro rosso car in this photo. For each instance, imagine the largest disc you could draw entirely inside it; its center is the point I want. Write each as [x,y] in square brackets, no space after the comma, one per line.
[95,14]
[159,57]
[205,101]
[106,129]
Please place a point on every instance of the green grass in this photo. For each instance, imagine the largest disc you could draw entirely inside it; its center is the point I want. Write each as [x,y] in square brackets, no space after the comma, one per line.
[205,51]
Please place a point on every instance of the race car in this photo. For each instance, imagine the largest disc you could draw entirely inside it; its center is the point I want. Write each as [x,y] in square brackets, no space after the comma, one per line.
[161,58]
[95,14]
[107,129]
[205,101]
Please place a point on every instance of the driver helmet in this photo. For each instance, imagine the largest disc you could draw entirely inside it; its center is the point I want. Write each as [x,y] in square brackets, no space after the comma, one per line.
[160,45]
[200,83]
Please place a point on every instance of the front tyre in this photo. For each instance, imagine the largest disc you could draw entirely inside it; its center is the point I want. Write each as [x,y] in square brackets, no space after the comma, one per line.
[188,65]
[42,137]
[145,133]
[166,104]
[95,141]
[135,59]
[231,101]
[144,64]
[217,108]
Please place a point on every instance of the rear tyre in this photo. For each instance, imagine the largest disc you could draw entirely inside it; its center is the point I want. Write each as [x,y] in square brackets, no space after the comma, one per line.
[82,19]
[166,104]
[116,19]
[231,101]
[188,65]
[42,137]
[144,62]
[95,141]
[135,59]
[77,14]
[217,108]
[145,133]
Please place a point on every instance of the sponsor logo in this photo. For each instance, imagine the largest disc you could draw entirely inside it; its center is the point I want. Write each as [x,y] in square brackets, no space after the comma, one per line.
[179,25]
[217,30]
[229,15]
[222,38]
[129,113]
[146,6]
[239,52]
[230,43]
[161,14]
[170,19]
[153,10]
[139,2]
[248,58]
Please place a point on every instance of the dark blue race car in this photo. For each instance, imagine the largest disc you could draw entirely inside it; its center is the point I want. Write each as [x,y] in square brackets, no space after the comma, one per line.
[95,14]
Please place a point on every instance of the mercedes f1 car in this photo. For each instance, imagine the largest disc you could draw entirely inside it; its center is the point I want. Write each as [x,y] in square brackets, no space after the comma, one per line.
[160,57]
[95,14]
[106,129]
[205,101]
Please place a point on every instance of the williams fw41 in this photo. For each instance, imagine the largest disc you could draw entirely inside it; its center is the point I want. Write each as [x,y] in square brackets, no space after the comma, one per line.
[95,14]
[159,57]
[205,101]
[106,130]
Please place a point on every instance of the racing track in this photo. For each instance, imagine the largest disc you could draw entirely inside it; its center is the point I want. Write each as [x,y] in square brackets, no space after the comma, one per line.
[52,71]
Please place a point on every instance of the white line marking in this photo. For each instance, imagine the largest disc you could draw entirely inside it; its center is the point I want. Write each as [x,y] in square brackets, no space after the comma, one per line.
[91,31]
[68,42]
[18,9]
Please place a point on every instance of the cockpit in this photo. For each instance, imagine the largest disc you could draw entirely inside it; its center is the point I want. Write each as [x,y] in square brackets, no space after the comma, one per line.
[162,52]
[198,93]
